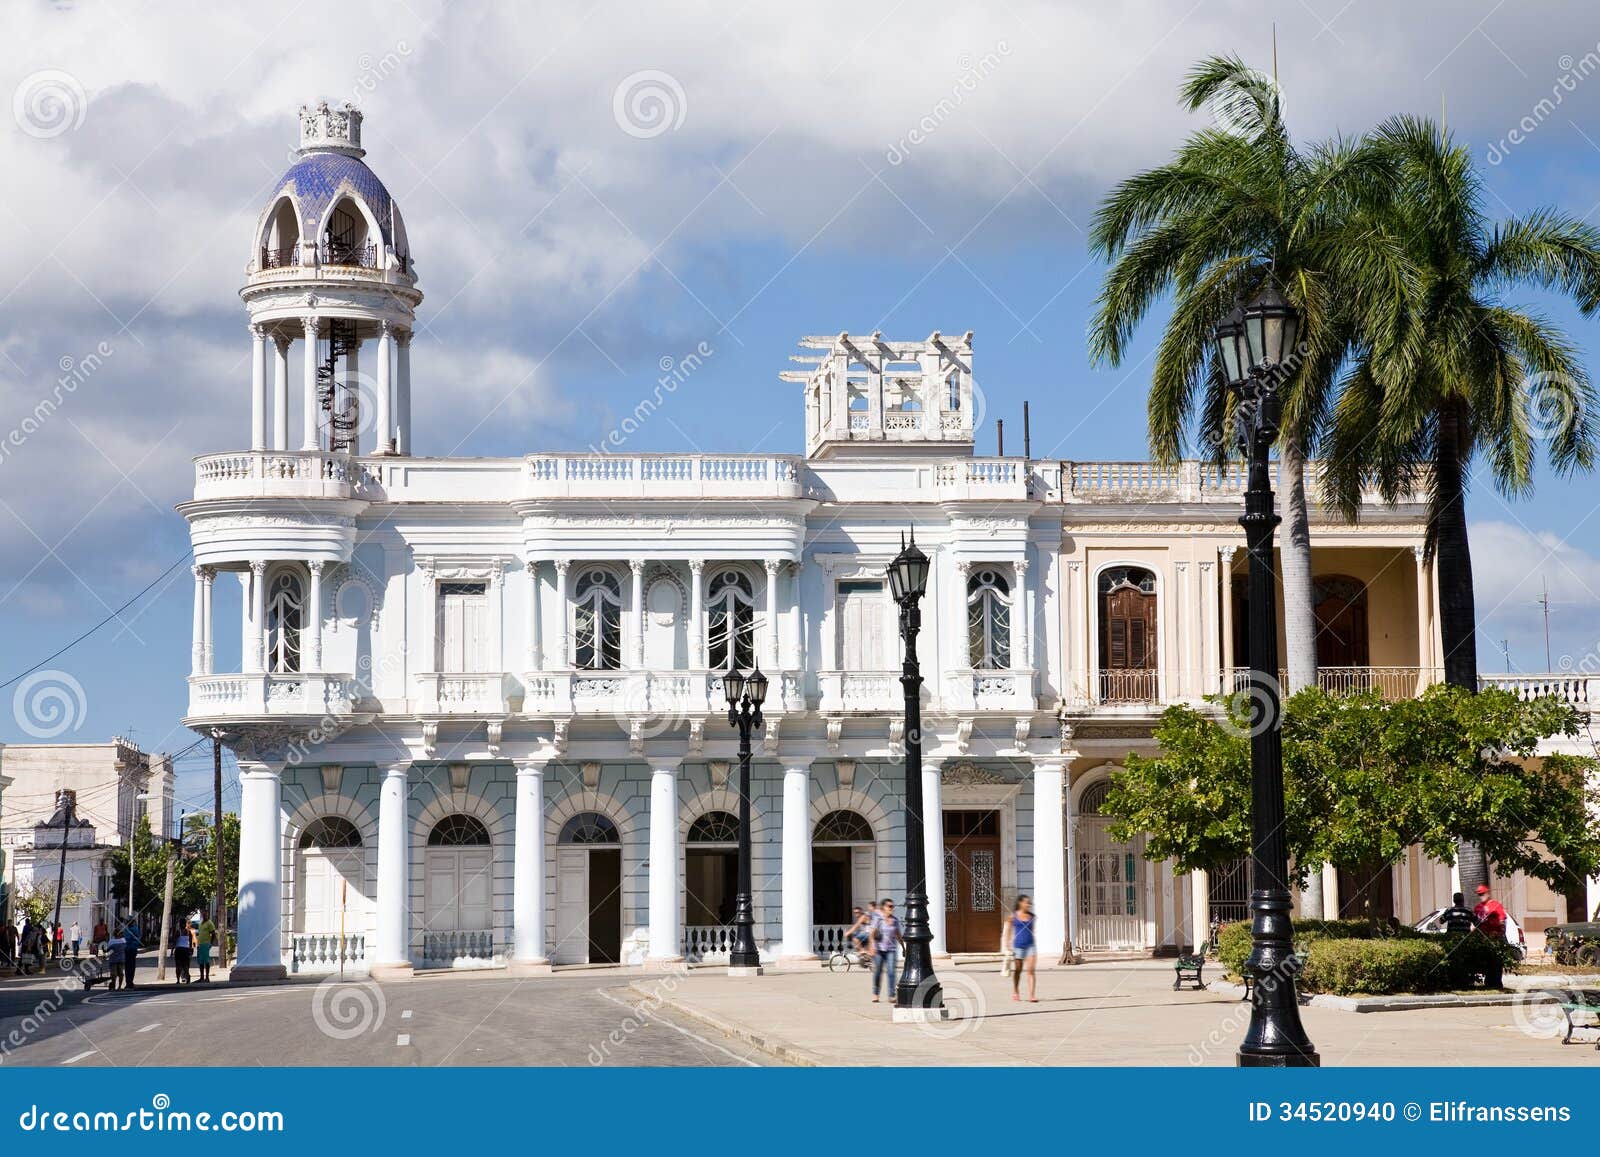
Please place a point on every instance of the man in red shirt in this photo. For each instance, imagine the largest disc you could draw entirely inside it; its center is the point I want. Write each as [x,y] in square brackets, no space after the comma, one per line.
[1491,916]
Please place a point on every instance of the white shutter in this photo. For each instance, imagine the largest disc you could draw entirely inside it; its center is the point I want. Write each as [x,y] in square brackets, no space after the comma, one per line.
[572,906]
[475,908]
[863,875]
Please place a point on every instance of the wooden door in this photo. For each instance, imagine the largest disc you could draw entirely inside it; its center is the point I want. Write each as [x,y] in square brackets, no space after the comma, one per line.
[973,908]
[1128,645]
[1341,611]
[459,890]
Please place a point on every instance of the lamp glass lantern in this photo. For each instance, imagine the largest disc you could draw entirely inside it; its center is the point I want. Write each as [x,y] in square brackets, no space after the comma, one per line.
[733,687]
[1270,323]
[1232,348]
[756,688]
[908,573]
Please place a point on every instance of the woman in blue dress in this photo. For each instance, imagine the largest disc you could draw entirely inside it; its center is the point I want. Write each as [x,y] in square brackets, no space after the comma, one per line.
[1024,949]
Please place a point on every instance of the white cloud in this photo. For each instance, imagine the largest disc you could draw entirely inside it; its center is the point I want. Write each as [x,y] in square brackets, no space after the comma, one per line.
[1512,568]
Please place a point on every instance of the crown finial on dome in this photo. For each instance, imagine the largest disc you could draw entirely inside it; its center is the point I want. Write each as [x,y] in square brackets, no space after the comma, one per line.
[330,130]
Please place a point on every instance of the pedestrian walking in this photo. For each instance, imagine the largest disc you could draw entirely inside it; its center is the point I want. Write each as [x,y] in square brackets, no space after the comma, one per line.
[76,937]
[132,943]
[886,941]
[181,948]
[203,939]
[1024,949]
[8,943]
[116,960]
[60,942]
[99,937]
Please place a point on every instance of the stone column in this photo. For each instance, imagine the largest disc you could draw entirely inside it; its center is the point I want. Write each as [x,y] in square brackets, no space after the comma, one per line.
[535,620]
[1049,857]
[666,934]
[258,615]
[402,393]
[772,614]
[313,617]
[1019,617]
[1424,636]
[391,956]
[1070,821]
[797,649]
[280,392]
[260,951]
[197,653]
[527,887]
[636,566]
[1225,574]
[796,947]
[563,650]
[1179,676]
[208,578]
[308,386]
[1200,905]
[352,393]
[258,387]
[384,389]
[933,851]
[697,613]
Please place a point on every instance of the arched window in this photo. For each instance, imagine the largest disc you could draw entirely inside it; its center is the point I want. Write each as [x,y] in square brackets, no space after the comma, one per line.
[714,828]
[589,828]
[597,621]
[345,240]
[280,245]
[458,831]
[330,832]
[988,621]
[1128,639]
[842,827]
[285,614]
[1093,801]
[730,621]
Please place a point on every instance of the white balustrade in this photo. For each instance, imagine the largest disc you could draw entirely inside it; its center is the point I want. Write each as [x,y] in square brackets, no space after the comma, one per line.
[278,473]
[1574,687]
[859,690]
[663,475]
[314,952]
[826,939]
[460,693]
[312,694]
[473,948]
[704,943]
[989,691]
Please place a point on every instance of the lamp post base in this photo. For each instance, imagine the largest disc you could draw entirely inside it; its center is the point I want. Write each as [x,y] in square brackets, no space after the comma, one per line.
[1278,1061]
[745,970]
[919,1015]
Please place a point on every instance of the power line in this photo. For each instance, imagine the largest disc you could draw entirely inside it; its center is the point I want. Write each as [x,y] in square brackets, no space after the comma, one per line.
[114,614]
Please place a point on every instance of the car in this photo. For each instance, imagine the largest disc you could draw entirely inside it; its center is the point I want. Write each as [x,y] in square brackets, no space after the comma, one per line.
[1433,924]
[1575,943]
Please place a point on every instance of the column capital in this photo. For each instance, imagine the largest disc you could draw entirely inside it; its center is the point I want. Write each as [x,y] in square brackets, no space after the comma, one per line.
[636,565]
[398,769]
[260,768]
[936,766]
[1419,551]
[664,765]
[316,566]
[402,337]
[697,566]
[1226,552]
[772,564]
[532,566]
[258,330]
[281,340]
[203,573]
[562,565]
[1049,763]
[311,325]
[386,327]
[1021,566]
[531,766]
[258,567]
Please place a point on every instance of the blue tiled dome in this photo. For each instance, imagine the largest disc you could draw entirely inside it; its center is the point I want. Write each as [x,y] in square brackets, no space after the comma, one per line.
[317,180]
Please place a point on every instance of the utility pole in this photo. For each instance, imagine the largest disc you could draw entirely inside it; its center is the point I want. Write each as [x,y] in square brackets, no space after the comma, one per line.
[221,917]
[66,800]
[166,906]
[1544,605]
[1505,649]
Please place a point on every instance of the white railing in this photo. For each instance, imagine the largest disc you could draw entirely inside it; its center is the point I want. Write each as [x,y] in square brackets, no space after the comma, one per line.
[1186,481]
[826,939]
[1571,687]
[1392,683]
[663,475]
[277,474]
[321,952]
[989,691]
[671,695]
[473,948]
[461,693]
[309,693]
[707,942]
[982,478]
[859,690]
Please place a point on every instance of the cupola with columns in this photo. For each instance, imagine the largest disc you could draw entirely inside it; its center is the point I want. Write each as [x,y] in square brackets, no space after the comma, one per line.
[331,269]
[866,394]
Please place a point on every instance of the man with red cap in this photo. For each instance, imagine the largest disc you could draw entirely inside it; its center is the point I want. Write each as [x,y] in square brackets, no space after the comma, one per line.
[1491,916]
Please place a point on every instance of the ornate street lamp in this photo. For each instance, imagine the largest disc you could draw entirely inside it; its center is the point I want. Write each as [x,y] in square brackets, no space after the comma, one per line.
[1255,344]
[917,997]
[745,697]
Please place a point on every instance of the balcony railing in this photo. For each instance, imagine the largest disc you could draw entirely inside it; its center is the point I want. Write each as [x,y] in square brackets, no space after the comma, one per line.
[659,695]
[984,479]
[1392,683]
[473,948]
[1579,689]
[278,474]
[706,943]
[314,694]
[663,476]
[990,691]
[315,952]
[859,691]
[1187,481]
[461,693]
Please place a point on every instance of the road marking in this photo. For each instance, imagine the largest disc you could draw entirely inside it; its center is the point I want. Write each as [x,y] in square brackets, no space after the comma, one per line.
[652,1018]
[79,1057]
[150,1027]
[406,1015]
[402,1040]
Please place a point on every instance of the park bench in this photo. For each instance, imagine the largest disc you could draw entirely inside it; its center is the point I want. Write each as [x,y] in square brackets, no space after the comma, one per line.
[1578,1001]
[1189,967]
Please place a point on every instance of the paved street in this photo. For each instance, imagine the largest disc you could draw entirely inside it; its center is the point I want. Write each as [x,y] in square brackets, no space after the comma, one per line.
[574,1019]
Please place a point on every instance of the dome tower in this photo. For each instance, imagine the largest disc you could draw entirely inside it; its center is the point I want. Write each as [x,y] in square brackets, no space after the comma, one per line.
[331,268]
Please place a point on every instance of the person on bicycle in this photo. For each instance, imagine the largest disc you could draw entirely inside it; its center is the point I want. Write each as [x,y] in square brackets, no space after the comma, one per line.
[859,934]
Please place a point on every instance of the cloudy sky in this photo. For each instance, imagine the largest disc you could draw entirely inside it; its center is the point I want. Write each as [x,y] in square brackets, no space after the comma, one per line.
[591,188]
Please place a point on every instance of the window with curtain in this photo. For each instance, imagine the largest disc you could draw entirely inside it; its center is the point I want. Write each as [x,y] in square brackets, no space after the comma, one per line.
[988,621]
[730,622]
[597,621]
[285,616]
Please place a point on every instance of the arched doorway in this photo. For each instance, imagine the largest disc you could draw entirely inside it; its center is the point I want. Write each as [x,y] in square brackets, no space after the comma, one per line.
[1128,640]
[1340,603]
[1110,881]
[710,883]
[458,893]
[588,891]
[330,879]
[844,875]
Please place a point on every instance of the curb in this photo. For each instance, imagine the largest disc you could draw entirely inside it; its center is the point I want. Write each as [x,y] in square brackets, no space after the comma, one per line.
[1363,1004]
[771,1045]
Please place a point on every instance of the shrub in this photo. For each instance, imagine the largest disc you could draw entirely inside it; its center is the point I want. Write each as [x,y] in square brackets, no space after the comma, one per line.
[1470,954]
[1350,966]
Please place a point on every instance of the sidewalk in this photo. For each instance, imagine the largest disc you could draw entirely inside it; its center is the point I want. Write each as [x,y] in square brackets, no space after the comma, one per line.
[1101,1014]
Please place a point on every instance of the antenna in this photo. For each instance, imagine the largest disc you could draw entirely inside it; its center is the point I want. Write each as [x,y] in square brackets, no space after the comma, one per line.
[1000,436]
[1505,649]
[1027,435]
[1274,54]
[1544,605]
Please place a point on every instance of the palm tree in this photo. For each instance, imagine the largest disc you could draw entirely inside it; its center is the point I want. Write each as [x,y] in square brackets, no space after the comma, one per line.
[1235,208]
[1457,373]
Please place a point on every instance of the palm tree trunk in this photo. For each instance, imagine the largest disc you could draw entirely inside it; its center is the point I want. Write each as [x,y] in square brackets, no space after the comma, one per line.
[1458,627]
[1299,611]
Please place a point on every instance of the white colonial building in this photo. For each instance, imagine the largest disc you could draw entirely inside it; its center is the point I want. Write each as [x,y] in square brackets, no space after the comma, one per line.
[479,712]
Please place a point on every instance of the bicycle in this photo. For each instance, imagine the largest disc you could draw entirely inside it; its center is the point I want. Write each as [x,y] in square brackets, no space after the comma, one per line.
[844,959]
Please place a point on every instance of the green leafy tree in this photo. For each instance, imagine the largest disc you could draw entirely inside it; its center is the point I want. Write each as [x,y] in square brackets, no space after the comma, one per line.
[1454,372]
[36,900]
